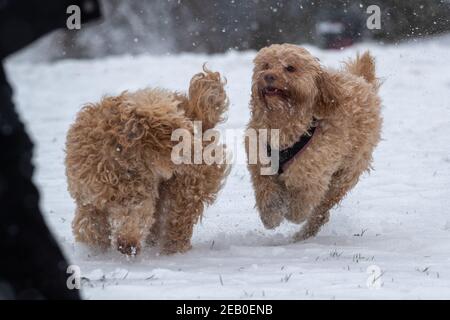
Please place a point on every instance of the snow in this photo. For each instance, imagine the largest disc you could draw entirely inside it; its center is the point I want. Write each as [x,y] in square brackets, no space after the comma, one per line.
[396,221]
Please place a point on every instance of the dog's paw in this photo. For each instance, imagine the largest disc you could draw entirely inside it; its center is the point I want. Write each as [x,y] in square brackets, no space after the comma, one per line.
[312,227]
[300,207]
[173,247]
[273,210]
[129,247]
[271,220]
[304,234]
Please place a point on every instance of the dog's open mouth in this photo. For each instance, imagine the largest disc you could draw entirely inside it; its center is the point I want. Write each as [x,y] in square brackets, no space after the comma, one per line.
[273,91]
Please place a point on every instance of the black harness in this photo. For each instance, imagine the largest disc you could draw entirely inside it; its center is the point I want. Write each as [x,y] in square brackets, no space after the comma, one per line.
[288,154]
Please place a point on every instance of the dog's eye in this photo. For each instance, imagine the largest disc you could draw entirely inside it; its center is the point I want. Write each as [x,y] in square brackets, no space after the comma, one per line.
[266,66]
[290,68]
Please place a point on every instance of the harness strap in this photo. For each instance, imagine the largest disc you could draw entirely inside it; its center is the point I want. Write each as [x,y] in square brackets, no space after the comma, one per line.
[287,155]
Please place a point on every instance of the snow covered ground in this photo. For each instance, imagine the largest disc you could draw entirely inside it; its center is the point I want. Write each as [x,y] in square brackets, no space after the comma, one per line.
[396,221]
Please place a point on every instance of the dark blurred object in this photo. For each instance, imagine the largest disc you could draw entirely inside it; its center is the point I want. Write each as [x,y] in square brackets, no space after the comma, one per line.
[216,26]
[32,265]
[24,21]
[211,26]
[337,28]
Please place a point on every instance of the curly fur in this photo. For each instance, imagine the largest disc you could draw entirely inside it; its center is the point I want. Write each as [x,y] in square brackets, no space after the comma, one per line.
[120,173]
[347,106]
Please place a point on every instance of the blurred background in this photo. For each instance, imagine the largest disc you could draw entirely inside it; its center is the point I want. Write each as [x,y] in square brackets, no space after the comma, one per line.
[172,26]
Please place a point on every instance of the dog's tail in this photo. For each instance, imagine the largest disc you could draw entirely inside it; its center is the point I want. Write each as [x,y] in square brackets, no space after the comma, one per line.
[207,98]
[363,66]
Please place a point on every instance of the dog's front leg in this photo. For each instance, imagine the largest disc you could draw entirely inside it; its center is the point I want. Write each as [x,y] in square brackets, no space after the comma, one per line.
[271,197]
[130,225]
[91,226]
[305,193]
[273,205]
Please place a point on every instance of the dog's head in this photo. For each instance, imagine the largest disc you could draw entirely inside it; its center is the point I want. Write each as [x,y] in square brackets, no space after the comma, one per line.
[287,77]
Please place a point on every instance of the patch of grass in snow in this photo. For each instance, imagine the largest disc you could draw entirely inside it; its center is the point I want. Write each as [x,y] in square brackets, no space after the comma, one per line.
[428,272]
[361,233]
[286,278]
[336,254]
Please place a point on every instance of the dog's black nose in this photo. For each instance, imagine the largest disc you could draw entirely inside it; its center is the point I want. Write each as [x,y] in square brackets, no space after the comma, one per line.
[269,78]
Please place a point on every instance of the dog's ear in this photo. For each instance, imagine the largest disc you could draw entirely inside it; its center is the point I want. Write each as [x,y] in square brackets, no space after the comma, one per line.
[152,127]
[329,92]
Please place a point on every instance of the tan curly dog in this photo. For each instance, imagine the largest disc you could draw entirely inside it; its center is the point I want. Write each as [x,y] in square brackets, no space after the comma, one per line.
[292,92]
[119,169]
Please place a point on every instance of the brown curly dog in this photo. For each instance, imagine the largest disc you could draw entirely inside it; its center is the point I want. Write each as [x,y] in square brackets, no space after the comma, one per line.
[329,124]
[120,172]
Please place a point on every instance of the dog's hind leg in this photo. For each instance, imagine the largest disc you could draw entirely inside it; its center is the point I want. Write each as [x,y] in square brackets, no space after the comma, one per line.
[182,201]
[342,181]
[91,226]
